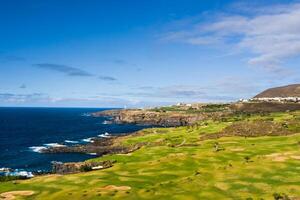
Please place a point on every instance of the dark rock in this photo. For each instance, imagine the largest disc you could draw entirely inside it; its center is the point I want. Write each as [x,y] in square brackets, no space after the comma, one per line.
[75,167]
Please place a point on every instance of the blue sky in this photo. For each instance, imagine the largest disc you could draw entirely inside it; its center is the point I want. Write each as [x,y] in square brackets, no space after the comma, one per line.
[136,53]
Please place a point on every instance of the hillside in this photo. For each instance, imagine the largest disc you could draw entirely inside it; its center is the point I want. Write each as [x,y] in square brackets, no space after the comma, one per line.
[284,91]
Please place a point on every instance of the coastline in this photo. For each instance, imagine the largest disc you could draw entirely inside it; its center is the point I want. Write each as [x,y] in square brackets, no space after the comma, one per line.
[105,143]
[59,128]
[182,160]
[109,144]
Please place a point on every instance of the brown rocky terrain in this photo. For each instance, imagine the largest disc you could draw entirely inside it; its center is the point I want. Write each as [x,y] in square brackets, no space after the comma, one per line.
[284,91]
[149,117]
[75,167]
[186,117]
[252,129]
[259,107]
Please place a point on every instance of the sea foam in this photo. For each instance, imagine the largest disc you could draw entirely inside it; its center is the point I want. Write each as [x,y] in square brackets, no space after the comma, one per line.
[54,145]
[71,141]
[88,140]
[107,122]
[105,135]
[37,149]
[93,154]
[86,115]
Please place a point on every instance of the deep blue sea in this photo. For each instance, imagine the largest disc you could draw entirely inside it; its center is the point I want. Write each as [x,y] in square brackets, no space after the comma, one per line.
[24,130]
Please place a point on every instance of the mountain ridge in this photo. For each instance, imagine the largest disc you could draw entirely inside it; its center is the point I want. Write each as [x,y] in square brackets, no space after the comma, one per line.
[292,90]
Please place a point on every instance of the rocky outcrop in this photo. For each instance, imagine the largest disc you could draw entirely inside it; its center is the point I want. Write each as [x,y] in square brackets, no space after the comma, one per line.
[98,147]
[75,167]
[149,117]
[92,149]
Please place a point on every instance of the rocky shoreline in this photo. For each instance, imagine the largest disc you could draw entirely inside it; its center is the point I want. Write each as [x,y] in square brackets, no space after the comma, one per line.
[187,115]
[98,146]
[112,144]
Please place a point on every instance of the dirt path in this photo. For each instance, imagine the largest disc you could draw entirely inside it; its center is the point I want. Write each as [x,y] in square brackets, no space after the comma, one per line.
[113,187]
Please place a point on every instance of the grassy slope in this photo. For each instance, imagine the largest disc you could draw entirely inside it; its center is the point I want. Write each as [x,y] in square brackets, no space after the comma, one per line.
[168,167]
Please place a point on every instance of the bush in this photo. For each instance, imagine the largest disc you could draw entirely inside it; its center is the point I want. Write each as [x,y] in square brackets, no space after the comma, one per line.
[11,178]
[85,168]
[247,158]
[280,196]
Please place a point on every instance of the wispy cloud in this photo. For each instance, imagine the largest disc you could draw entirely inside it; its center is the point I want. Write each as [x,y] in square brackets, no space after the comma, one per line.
[107,78]
[120,61]
[40,99]
[23,86]
[270,34]
[19,98]
[70,71]
[11,58]
[123,62]
[184,93]
[177,91]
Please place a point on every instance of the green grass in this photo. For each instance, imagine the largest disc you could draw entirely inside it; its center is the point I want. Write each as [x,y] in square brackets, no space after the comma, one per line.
[191,110]
[169,167]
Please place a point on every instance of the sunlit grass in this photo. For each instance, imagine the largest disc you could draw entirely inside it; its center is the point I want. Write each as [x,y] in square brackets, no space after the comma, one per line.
[175,164]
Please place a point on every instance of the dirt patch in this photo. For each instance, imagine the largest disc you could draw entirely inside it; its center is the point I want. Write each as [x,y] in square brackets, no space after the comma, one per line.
[113,187]
[296,157]
[237,149]
[125,154]
[222,186]
[12,194]
[281,157]
[251,129]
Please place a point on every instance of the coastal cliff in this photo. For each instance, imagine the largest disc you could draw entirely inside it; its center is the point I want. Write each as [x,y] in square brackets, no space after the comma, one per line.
[98,146]
[160,117]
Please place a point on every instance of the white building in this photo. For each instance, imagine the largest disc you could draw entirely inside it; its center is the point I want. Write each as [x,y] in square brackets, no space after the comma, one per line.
[277,99]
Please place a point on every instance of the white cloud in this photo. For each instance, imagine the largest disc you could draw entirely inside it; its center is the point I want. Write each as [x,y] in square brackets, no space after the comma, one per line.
[270,34]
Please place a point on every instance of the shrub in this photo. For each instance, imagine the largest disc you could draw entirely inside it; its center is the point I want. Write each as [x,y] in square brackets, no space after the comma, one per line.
[280,196]
[247,158]
[85,168]
[11,178]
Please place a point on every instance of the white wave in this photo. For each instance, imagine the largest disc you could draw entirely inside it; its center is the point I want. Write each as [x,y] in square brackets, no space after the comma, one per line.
[105,135]
[37,149]
[93,154]
[86,114]
[54,145]
[22,173]
[71,141]
[107,122]
[5,169]
[88,140]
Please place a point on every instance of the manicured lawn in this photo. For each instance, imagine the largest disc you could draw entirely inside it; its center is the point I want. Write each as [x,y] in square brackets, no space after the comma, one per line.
[175,164]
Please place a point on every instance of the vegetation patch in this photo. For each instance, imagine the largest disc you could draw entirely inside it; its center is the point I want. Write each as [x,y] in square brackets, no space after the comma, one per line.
[252,129]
